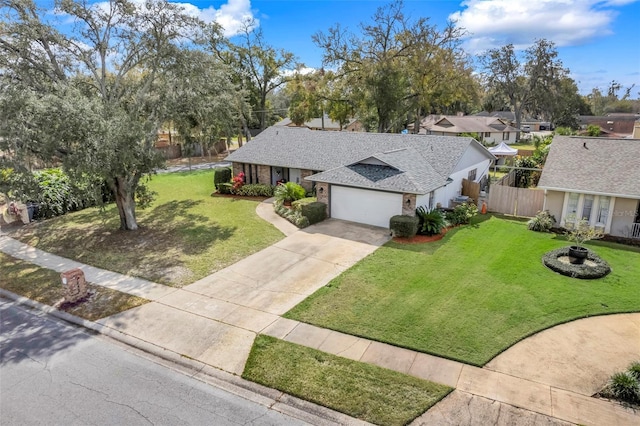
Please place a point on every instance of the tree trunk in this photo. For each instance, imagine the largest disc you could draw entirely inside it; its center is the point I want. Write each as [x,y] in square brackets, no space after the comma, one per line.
[517,111]
[124,194]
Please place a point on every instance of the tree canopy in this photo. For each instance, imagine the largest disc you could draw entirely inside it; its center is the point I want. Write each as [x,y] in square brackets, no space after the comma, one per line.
[394,65]
[95,97]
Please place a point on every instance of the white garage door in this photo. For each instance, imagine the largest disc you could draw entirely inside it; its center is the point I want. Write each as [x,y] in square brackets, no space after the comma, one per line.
[364,206]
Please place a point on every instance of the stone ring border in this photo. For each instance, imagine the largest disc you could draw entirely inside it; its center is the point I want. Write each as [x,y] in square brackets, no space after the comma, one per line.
[601,269]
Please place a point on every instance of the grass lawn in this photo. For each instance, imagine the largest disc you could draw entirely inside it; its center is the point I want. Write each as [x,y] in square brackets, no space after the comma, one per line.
[523,145]
[472,294]
[43,285]
[360,390]
[184,236]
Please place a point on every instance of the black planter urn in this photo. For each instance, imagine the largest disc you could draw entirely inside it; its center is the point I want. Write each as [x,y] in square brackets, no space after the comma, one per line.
[577,254]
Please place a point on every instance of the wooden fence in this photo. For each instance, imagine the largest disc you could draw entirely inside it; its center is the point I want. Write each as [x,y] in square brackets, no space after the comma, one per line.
[471,189]
[515,201]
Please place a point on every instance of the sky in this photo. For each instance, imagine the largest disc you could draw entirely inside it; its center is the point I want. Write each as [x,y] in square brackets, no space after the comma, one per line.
[597,40]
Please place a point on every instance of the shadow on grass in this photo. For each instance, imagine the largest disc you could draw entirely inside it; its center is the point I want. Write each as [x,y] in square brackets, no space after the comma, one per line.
[155,251]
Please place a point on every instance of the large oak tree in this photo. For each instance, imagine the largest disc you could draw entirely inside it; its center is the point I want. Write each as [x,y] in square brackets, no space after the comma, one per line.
[94,97]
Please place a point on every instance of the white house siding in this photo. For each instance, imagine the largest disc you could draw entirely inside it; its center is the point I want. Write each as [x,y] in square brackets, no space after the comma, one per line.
[553,201]
[364,206]
[624,213]
[497,137]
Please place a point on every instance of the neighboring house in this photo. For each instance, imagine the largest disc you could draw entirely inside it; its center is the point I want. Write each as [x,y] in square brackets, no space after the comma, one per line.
[620,124]
[365,177]
[594,179]
[527,124]
[491,130]
[353,125]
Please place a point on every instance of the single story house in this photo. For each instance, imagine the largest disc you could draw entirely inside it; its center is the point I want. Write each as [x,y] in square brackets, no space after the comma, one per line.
[365,177]
[594,179]
[353,125]
[491,130]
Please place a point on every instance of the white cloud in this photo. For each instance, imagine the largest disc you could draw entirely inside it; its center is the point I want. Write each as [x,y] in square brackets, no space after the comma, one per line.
[301,71]
[230,15]
[493,23]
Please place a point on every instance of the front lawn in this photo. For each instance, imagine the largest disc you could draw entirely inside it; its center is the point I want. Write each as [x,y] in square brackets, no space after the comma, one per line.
[360,390]
[470,295]
[184,236]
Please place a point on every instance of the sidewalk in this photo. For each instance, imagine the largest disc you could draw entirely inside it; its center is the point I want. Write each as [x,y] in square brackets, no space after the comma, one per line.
[215,320]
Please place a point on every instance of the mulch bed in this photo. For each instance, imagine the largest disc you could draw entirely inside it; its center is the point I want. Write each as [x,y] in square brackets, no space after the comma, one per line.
[239,197]
[421,239]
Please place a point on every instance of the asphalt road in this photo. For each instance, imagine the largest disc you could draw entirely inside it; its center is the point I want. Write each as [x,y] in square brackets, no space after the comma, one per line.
[56,374]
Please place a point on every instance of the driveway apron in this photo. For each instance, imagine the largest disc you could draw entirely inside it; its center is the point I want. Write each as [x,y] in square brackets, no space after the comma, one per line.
[215,319]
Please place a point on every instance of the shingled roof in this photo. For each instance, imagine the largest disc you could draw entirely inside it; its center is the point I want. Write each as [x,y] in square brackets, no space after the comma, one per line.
[426,162]
[593,165]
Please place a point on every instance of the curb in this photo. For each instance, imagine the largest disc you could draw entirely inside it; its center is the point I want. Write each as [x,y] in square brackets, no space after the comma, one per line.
[271,398]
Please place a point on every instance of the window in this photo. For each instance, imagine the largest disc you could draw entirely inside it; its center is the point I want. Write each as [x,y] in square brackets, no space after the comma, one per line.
[432,195]
[603,211]
[595,209]
[572,207]
[472,175]
[487,134]
[587,207]
[505,136]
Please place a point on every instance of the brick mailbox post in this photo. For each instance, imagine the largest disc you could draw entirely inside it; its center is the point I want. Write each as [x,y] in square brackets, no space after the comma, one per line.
[75,286]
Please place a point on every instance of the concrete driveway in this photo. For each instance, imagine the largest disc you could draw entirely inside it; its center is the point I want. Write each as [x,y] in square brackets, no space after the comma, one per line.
[215,319]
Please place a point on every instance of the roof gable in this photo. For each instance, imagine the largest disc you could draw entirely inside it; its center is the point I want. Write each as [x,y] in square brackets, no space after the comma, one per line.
[593,165]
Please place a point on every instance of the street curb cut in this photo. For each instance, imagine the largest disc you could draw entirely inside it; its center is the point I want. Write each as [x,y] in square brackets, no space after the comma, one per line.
[271,398]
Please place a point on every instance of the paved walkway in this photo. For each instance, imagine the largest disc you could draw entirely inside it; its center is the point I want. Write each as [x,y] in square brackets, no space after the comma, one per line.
[215,320]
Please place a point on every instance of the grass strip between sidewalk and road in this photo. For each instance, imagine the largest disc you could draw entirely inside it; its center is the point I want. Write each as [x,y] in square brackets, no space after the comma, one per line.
[44,286]
[361,390]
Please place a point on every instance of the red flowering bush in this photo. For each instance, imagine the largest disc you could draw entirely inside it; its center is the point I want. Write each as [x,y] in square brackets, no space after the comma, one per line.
[238,181]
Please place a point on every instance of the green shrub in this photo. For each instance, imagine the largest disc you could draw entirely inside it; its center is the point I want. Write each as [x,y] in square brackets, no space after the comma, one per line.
[564,131]
[461,214]
[404,226]
[634,370]
[221,175]
[225,188]
[315,212]
[431,221]
[542,222]
[53,191]
[255,190]
[625,387]
[293,216]
[289,192]
[297,205]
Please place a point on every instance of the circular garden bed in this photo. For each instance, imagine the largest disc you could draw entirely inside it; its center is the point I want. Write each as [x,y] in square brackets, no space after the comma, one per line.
[559,261]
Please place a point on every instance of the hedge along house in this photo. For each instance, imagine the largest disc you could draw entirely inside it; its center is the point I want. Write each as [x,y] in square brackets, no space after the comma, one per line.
[365,177]
[594,179]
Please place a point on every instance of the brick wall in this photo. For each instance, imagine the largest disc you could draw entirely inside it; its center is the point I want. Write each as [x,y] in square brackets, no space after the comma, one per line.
[322,193]
[307,185]
[409,208]
[264,174]
[237,168]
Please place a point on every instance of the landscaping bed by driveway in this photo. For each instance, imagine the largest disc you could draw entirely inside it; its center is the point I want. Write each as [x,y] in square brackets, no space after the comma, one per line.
[472,294]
